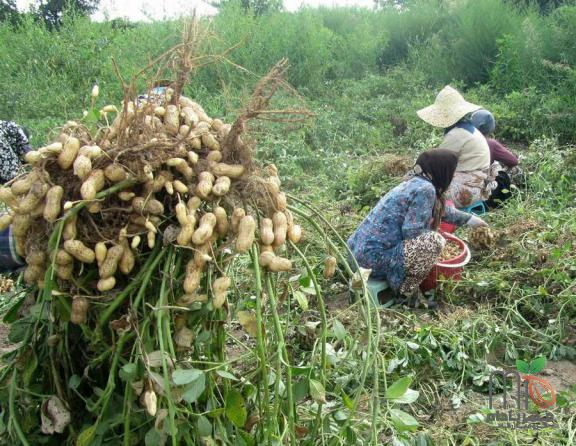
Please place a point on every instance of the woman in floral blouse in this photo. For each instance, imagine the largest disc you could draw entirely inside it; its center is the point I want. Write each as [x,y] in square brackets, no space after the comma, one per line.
[398,240]
[13,146]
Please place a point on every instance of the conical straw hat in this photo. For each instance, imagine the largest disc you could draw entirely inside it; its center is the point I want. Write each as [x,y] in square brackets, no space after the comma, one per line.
[448,108]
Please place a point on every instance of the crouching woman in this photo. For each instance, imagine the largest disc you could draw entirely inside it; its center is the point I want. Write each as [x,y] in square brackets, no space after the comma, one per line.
[398,240]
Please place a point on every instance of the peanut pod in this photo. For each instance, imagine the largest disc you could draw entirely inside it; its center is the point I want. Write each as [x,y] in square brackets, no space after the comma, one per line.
[246,229]
[205,229]
[53,204]
[79,251]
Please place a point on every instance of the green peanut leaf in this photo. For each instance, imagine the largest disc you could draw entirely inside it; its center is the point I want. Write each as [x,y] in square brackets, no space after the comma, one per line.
[86,436]
[204,426]
[537,365]
[194,390]
[339,330]
[74,382]
[182,377]
[235,408]
[128,372]
[317,391]
[403,421]
[522,366]
[226,375]
[408,398]
[399,388]
[301,299]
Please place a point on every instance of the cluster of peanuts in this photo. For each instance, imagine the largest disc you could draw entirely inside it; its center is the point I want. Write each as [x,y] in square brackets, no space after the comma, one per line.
[177,188]
[6,285]
[241,227]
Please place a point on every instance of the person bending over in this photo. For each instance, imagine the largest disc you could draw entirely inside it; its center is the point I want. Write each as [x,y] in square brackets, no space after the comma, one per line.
[484,121]
[13,146]
[475,175]
[398,240]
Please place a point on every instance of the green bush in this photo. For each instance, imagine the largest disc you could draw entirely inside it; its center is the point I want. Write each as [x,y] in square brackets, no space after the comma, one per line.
[358,36]
[410,28]
[365,71]
[47,75]
[321,44]
[466,46]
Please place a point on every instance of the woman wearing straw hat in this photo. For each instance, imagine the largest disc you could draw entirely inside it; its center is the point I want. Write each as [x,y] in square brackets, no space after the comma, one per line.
[474,179]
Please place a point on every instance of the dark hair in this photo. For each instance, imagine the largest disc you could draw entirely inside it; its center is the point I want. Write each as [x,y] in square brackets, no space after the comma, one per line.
[162,83]
[438,167]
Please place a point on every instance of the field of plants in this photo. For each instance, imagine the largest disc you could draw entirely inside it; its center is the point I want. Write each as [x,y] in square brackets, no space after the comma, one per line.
[284,129]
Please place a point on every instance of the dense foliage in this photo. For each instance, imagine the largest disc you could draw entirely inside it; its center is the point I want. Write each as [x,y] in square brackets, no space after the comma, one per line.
[522,60]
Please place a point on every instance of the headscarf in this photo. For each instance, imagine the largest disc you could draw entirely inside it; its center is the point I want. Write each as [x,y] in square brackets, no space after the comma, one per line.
[484,121]
[465,122]
[438,167]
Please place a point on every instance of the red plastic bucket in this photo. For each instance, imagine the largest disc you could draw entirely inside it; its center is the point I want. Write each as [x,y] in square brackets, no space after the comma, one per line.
[447,227]
[451,268]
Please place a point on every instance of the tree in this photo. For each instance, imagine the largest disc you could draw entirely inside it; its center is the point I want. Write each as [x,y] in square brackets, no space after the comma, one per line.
[398,4]
[9,12]
[51,11]
[256,7]
[545,6]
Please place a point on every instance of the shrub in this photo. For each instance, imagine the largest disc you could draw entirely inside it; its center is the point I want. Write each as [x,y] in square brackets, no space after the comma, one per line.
[466,46]
[46,74]
[407,28]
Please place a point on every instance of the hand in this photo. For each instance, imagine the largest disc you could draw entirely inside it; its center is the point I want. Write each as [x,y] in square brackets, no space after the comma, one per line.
[476,222]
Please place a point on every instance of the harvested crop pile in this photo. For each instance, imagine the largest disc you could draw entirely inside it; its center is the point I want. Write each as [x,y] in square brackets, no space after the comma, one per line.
[6,285]
[163,167]
[482,238]
[130,229]
[450,250]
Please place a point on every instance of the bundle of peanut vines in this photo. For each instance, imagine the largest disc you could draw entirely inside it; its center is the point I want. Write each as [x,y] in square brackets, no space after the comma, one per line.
[129,236]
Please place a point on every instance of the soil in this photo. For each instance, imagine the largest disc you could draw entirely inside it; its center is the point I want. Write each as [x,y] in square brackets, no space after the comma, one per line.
[5,345]
[234,349]
[338,303]
[560,374]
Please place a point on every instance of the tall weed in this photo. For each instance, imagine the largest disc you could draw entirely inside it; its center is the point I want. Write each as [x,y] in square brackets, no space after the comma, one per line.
[466,47]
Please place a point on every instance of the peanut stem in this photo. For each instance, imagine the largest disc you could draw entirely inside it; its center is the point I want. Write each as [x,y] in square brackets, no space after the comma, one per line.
[372,341]
[282,357]
[146,274]
[160,316]
[324,333]
[13,417]
[260,342]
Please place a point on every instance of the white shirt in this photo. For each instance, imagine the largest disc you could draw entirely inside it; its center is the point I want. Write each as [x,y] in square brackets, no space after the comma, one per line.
[471,147]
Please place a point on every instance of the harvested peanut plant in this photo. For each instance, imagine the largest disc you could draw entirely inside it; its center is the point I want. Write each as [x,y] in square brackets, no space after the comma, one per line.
[132,231]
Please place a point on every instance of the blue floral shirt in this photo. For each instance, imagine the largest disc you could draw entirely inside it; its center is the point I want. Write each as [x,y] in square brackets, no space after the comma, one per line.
[403,213]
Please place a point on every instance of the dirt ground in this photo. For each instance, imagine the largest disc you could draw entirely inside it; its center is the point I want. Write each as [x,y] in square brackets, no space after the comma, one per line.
[560,374]
[5,345]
